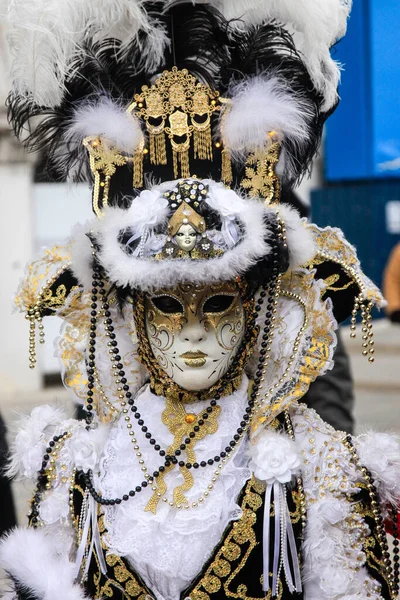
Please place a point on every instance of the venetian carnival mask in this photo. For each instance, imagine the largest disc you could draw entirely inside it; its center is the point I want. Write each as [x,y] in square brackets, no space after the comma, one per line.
[195,331]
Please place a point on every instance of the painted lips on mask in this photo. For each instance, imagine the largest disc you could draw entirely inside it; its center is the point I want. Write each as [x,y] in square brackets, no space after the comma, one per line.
[195,359]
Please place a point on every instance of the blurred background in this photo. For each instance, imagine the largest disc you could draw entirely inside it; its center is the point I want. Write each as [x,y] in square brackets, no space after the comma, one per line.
[355,185]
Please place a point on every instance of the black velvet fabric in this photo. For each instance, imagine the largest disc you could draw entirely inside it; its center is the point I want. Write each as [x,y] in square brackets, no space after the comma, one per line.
[247,567]
[236,575]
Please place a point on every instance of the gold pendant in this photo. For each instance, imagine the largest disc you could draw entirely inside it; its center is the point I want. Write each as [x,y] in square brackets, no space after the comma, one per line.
[181,424]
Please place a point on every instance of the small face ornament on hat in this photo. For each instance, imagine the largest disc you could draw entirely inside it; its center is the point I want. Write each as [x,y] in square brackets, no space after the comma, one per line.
[195,332]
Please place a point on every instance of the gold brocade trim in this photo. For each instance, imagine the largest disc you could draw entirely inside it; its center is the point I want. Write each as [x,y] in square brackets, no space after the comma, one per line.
[371,543]
[312,348]
[72,345]
[163,385]
[237,546]
[174,417]
[261,179]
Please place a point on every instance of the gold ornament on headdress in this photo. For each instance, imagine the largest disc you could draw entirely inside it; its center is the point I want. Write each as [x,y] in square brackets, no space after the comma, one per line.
[185,214]
[180,107]
[260,179]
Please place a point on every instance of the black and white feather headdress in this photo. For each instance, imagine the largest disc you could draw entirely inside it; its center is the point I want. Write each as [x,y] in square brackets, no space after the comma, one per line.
[88,85]
[80,66]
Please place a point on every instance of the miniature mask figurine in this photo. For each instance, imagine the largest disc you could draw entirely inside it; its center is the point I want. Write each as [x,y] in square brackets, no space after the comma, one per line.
[186,237]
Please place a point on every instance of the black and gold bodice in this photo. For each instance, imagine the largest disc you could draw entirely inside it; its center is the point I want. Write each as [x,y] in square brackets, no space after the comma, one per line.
[235,568]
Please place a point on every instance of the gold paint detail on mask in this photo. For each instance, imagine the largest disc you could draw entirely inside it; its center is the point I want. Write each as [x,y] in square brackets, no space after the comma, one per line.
[260,178]
[180,107]
[160,382]
[174,417]
[189,304]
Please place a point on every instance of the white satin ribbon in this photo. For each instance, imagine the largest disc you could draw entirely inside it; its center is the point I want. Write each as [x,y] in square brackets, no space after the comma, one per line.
[283,534]
[143,235]
[230,230]
[90,507]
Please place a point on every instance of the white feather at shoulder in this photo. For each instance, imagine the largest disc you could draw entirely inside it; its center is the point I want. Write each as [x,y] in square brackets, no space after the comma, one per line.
[380,453]
[34,433]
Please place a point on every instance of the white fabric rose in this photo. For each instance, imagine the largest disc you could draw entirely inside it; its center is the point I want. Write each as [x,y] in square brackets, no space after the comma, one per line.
[86,447]
[333,511]
[335,582]
[274,457]
[56,506]
[31,441]
[32,458]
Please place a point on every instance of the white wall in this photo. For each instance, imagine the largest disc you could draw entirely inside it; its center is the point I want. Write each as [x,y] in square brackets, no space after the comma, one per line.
[16,245]
[56,207]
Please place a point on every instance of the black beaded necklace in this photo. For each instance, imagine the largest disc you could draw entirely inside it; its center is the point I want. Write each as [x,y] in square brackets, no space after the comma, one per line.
[98,288]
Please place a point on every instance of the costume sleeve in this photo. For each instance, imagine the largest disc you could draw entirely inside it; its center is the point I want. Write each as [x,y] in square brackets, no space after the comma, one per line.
[41,559]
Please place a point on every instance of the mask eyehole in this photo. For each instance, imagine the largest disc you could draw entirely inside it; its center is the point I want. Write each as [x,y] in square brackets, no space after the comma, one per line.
[167,305]
[218,303]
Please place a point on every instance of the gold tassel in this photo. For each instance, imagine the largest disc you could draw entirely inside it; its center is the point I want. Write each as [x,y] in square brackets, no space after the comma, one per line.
[138,169]
[184,159]
[158,152]
[202,142]
[176,168]
[181,158]
[227,176]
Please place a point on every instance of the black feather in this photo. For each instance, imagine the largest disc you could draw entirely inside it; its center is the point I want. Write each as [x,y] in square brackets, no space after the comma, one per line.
[102,69]
[203,42]
[200,40]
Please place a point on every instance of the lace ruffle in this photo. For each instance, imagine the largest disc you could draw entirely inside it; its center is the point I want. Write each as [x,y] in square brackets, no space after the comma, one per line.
[157,545]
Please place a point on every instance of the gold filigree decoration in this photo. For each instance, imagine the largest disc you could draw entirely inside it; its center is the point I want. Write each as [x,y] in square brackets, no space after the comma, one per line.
[73,342]
[38,295]
[330,282]
[303,352]
[104,161]
[175,418]
[332,246]
[40,276]
[179,107]
[260,178]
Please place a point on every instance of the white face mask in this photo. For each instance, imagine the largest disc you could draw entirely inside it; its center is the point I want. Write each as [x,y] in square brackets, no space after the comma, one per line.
[195,332]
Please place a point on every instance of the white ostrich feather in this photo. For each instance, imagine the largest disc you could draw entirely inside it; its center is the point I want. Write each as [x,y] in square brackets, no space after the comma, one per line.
[34,433]
[46,35]
[33,558]
[380,453]
[106,118]
[316,26]
[262,104]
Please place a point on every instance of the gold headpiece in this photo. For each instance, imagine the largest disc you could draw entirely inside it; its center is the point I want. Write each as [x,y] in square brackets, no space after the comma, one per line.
[178,106]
